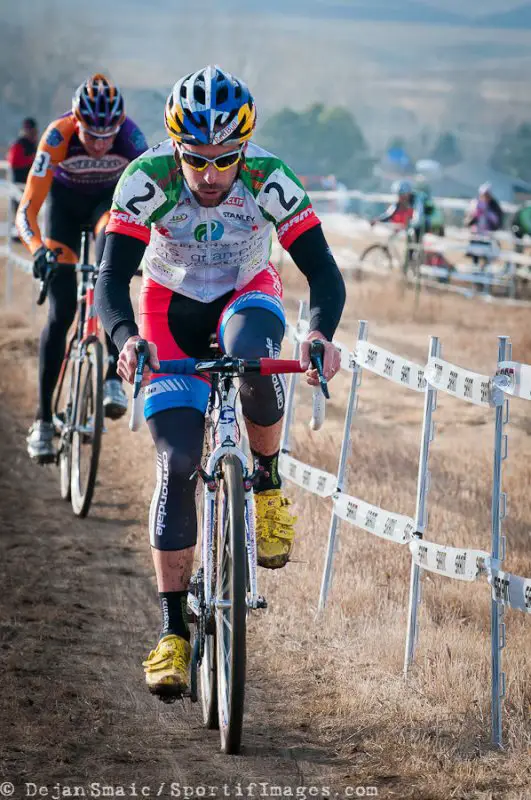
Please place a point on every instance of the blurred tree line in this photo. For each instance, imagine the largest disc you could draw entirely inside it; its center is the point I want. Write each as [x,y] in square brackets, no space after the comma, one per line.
[512,154]
[318,141]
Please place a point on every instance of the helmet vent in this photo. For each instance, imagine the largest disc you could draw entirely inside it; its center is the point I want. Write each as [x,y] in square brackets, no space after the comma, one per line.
[200,95]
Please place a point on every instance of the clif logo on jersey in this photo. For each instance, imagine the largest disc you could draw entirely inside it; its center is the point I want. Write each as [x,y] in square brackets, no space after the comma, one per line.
[234,201]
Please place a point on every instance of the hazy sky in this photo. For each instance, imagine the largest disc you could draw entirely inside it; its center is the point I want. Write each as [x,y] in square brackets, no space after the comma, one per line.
[475,7]
[395,77]
[10,9]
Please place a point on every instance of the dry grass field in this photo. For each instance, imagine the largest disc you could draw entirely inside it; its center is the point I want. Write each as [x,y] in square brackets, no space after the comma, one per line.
[327,705]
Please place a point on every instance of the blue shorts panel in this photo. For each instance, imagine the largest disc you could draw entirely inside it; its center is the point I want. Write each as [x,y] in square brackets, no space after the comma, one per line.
[175,391]
[251,300]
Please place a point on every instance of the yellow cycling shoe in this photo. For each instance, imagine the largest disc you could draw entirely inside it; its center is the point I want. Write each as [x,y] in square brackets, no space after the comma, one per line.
[167,667]
[274,529]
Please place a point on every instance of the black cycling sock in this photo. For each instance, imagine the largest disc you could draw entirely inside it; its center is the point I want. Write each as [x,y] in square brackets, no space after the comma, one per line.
[269,478]
[173,607]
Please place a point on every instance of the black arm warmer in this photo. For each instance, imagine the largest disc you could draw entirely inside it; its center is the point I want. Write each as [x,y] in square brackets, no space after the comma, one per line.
[121,259]
[312,255]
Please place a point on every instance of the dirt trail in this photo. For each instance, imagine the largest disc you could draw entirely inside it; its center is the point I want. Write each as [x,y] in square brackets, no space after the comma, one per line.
[326,704]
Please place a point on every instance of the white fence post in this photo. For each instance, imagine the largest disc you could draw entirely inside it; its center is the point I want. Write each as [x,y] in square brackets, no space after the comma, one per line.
[345,449]
[9,245]
[498,513]
[293,380]
[421,514]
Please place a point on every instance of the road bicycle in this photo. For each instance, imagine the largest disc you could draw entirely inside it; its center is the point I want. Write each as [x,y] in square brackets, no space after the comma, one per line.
[224,589]
[388,255]
[78,402]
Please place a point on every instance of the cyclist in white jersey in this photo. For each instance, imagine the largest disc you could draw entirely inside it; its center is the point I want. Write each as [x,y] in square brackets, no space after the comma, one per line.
[200,210]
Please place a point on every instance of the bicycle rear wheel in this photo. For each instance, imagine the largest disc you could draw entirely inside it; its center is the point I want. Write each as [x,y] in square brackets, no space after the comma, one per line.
[231,605]
[88,428]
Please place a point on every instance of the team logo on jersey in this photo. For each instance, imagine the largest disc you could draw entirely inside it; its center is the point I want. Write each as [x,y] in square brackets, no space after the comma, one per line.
[138,140]
[54,138]
[216,232]
[234,201]
[239,217]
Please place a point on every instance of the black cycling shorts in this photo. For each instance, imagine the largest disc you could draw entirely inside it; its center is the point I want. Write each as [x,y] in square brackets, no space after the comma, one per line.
[67,211]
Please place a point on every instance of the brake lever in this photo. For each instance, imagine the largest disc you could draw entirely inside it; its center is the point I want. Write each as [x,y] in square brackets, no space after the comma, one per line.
[142,352]
[316,359]
[51,259]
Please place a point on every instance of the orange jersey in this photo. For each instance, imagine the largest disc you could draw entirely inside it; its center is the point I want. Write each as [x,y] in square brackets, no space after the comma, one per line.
[61,157]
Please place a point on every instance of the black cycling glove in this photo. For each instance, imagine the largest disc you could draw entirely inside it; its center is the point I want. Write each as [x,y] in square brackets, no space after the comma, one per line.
[43,259]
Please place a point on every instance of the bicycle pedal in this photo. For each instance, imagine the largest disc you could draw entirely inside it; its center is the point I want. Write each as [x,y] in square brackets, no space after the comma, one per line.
[167,694]
[43,460]
[261,602]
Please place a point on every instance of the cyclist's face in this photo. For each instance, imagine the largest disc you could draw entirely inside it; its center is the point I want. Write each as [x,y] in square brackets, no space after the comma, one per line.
[209,186]
[95,146]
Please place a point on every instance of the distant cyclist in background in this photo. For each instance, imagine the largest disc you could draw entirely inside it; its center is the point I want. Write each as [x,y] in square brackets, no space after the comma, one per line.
[21,154]
[79,160]
[521,224]
[401,211]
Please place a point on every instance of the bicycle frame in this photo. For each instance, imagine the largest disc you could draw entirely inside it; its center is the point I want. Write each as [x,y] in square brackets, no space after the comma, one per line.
[87,325]
[225,431]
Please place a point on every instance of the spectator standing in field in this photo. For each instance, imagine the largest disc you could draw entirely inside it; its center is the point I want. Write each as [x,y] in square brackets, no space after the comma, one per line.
[485,214]
[20,156]
[484,217]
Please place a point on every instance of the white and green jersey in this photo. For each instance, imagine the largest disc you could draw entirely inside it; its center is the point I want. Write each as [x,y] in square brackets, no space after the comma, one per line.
[201,252]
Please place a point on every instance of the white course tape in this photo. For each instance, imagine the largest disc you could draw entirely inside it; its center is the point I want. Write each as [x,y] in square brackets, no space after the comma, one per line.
[511,590]
[23,263]
[9,189]
[314,480]
[393,527]
[469,386]
[387,365]
[514,378]
[453,562]
[297,333]
[464,277]
[346,356]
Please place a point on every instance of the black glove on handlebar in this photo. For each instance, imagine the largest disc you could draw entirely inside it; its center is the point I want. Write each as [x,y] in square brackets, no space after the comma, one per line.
[42,261]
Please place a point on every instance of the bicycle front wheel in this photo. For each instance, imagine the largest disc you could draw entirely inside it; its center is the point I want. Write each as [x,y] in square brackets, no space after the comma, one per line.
[88,428]
[208,670]
[231,605]
[63,418]
[377,257]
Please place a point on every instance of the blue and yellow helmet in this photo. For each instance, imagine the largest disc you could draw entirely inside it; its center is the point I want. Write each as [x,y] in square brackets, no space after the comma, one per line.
[210,107]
